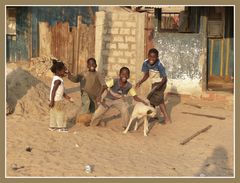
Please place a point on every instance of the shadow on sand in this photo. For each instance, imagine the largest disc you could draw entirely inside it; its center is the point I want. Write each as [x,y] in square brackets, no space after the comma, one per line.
[216,164]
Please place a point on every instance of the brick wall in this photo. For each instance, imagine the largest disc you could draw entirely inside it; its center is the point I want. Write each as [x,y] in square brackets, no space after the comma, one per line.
[119,42]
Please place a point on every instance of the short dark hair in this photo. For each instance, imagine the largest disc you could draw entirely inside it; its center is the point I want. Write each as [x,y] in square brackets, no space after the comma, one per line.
[153,50]
[125,68]
[93,59]
[57,66]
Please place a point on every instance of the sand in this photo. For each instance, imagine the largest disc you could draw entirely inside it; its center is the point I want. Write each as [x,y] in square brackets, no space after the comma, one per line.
[107,149]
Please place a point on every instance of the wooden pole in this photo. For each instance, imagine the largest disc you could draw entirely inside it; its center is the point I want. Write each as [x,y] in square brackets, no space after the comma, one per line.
[196,134]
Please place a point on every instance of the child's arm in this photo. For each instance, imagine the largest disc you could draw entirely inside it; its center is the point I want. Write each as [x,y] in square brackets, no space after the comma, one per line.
[145,77]
[55,87]
[136,98]
[133,93]
[74,79]
[104,87]
[164,80]
[67,97]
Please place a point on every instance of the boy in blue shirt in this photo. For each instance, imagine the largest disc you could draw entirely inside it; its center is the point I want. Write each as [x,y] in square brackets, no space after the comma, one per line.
[153,69]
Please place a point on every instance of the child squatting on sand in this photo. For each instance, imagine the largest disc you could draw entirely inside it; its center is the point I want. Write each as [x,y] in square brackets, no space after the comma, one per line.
[118,88]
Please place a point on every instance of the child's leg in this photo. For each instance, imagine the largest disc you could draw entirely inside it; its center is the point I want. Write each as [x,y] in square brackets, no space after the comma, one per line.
[92,106]
[53,123]
[60,119]
[157,98]
[85,103]
[123,108]
[163,109]
[60,114]
[98,115]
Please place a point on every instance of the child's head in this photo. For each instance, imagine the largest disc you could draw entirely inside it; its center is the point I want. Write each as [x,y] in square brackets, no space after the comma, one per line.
[152,56]
[58,68]
[124,74]
[91,64]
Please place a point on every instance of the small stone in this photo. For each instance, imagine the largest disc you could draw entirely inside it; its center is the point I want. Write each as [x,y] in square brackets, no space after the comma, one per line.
[14,166]
[29,149]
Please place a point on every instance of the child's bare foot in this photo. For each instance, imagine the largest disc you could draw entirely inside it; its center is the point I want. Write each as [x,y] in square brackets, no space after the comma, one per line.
[167,121]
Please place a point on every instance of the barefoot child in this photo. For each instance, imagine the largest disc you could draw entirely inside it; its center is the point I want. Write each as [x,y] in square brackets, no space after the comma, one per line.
[91,83]
[154,70]
[56,98]
[118,88]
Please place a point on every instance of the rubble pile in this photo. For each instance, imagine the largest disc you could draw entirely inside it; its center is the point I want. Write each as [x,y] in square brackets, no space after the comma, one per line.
[40,66]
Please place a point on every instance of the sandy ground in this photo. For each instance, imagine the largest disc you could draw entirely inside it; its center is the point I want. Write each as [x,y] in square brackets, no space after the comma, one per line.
[112,153]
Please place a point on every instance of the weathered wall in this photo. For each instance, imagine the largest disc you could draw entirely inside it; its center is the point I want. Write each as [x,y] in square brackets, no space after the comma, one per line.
[180,54]
[119,42]
[17,45]
[52,15]
[26,44]
[73,46]
[184,57]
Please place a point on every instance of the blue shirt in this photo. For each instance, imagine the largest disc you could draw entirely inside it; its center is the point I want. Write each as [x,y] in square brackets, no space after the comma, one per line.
[155,70]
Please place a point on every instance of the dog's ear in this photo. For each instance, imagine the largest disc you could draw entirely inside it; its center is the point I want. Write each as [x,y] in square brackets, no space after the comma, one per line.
[149,112]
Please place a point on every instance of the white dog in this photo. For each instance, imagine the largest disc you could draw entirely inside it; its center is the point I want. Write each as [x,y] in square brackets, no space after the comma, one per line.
[141,111]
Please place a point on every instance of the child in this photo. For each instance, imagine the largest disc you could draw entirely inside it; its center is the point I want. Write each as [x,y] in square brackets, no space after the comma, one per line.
[153,68]
[118,88]
[56,98]
[91,83]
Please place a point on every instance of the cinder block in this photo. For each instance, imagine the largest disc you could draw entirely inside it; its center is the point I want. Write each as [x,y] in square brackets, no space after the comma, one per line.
[123,46]
[107,38]
[122,60]
[111,46]
[112,16]
[111,60]
[105,31]
[112,74]
[133,46]
[105,52]
[124,31]
[117,24]
[130,24]
[116,67]
[113,31]
[129,53]
[127,16]
[133,31]
[130,39]
[118,39]
[117,53]
[133,61]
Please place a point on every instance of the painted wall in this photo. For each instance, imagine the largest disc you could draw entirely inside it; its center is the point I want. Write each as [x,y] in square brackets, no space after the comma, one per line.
[221,58]
[182,55]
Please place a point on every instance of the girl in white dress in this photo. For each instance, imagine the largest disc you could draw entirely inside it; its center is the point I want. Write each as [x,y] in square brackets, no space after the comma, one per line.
[57,94]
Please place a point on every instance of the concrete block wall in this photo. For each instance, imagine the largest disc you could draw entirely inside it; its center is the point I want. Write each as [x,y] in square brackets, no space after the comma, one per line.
[119,42]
